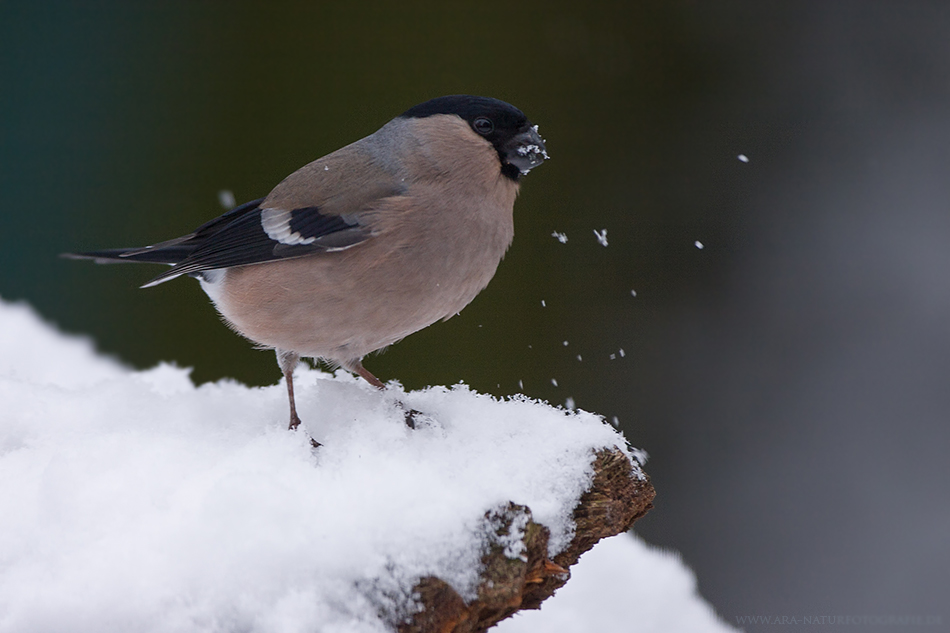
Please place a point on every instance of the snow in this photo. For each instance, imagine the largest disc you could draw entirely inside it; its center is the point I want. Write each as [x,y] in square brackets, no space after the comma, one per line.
[699,245]
[601,236]
[622,584]
[136,501]
[743,158]
[560,237]
[226,199]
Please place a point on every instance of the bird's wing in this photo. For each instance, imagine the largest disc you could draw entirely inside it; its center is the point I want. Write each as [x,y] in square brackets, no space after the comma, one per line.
[324,206]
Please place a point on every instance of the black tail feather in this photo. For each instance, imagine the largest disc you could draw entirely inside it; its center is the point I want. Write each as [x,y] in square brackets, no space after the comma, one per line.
[167,255]
[170,252]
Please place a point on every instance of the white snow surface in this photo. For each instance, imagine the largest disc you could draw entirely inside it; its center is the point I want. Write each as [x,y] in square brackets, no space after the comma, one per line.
[622,584]
[136,501]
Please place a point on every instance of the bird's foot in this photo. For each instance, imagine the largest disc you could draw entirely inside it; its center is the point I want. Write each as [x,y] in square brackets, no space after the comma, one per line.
[294,423]
[414,418]
[410,416]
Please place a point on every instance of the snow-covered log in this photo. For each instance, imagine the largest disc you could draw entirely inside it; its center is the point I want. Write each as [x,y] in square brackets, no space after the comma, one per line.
[516,572]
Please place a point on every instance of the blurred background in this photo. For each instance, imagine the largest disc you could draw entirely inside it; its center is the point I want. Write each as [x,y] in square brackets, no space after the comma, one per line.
[774,331]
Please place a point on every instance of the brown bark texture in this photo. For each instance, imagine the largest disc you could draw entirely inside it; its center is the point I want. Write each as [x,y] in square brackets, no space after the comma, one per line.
[516,571]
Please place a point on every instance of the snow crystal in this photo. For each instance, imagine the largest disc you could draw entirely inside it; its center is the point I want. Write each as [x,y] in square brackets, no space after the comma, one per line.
[561,237]
[543,152]
[698,245]
[638,453]
[633,293]
[543,304]
[622,353]
[226,199]
[569,404]
[525,150]
[601,236]
[743,158]
[565,343]
[554,381]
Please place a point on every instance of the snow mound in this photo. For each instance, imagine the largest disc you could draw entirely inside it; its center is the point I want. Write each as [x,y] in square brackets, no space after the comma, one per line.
[623,584]
[136,501]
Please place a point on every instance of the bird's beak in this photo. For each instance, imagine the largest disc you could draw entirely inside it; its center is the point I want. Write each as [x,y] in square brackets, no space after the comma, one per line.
[525,150]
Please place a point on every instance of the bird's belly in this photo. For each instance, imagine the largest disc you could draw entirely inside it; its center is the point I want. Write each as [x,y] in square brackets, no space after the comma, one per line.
[344,305]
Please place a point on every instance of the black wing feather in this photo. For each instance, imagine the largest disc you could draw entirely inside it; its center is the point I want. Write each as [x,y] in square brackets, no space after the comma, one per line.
[243,241]
[309,222]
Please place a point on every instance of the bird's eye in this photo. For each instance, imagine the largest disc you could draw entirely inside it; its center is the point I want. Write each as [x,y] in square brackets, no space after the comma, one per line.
[483,126]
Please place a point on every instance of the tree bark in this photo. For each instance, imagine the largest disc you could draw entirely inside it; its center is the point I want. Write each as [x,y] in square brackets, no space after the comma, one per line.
[516,571]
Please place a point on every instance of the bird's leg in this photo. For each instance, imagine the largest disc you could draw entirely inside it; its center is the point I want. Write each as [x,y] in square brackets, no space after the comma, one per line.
[294,418]
[287,361]
[357,367]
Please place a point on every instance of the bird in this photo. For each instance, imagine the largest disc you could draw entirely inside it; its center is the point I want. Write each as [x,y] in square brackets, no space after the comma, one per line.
[362,247]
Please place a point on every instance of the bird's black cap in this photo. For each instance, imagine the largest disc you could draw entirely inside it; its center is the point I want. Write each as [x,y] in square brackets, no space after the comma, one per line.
[470,108]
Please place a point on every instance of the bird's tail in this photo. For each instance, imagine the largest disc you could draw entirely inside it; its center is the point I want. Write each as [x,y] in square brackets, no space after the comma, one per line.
[170,252]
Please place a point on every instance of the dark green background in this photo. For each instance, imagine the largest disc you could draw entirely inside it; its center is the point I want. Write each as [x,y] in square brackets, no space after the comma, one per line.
[788,379]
